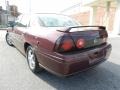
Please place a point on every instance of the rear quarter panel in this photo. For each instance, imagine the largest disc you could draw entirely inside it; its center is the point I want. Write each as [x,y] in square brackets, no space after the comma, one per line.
[42,38]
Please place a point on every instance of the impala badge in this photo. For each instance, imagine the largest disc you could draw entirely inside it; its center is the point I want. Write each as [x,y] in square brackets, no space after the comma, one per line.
[95,41]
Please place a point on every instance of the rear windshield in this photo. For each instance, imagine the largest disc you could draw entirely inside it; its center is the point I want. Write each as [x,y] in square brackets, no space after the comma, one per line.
[57,21]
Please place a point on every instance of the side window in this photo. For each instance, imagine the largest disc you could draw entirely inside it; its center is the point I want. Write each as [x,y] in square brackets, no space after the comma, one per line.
[22,21]
[34,22]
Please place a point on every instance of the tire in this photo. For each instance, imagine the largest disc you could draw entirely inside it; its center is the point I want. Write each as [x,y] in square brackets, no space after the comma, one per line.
[8,40]
[32,60]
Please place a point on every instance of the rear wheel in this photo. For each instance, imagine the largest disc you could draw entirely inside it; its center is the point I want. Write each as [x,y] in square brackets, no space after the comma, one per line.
[9,40]
[32,60]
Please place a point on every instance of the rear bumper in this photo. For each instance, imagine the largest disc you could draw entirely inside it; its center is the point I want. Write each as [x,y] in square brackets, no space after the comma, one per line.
[64,65]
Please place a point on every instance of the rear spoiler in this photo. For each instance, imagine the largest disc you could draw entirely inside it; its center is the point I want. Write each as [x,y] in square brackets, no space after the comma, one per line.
[99,27]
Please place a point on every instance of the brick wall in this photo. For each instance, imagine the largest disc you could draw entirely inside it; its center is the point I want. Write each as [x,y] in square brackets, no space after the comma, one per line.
[83,18]
[111,20]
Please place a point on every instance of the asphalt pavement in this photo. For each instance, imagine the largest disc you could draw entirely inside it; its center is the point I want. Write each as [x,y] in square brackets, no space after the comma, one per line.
[15,74]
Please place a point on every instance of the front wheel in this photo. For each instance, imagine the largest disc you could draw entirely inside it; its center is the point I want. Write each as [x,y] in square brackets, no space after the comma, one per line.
[32,60]
[9,40]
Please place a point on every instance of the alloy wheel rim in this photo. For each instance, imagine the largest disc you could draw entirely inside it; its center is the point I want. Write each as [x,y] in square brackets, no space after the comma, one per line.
[31,59]
[9,40]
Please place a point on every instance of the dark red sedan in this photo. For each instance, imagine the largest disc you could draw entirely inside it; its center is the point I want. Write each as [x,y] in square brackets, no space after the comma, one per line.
[58,44]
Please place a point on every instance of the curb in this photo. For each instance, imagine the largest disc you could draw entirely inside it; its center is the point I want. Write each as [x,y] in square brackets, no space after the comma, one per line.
[3,28]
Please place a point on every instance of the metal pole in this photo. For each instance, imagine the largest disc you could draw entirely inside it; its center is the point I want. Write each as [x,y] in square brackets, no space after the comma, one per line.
[6,4]
[29,6]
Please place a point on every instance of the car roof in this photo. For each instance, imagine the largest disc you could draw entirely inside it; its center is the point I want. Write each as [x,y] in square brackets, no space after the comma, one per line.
[42,14]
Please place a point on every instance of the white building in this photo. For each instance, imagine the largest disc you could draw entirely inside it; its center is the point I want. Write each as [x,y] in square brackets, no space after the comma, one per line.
[92,6]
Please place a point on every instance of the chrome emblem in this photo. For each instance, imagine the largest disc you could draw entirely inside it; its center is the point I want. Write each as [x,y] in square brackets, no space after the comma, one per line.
[95,41]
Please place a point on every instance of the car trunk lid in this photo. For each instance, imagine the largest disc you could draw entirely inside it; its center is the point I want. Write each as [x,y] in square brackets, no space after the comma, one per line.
[92,35]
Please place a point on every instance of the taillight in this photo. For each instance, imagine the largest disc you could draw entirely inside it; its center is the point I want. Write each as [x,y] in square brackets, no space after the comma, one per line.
[67,45]
[104,39]
[80,43]
[103,35]
[64,44]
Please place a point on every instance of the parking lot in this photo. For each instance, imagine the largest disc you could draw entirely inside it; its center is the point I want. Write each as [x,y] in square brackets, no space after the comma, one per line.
[15,74]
